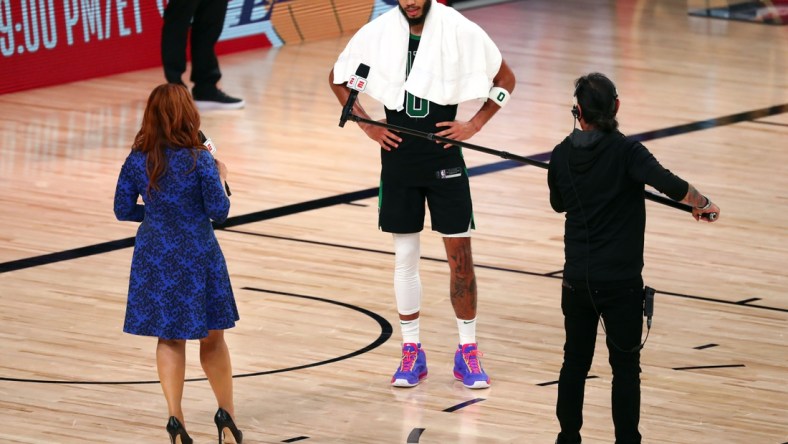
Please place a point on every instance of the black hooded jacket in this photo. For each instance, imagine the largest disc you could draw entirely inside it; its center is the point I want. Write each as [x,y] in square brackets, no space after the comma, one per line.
[598,179]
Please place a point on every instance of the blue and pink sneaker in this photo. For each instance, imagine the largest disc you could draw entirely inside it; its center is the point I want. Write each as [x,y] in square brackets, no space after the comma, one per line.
[468,369]
[412,368]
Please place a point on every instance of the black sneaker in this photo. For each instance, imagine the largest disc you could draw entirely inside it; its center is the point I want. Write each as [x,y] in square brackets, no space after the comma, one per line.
[216,99]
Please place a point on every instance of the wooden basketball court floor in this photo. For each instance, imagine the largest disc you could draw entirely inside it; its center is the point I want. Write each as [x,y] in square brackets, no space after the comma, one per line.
[315,347]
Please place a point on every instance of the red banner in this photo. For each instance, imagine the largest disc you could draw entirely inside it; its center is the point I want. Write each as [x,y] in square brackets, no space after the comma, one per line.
[46,42]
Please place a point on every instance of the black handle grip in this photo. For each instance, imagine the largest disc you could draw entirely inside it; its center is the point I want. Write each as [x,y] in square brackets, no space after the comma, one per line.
[711,217]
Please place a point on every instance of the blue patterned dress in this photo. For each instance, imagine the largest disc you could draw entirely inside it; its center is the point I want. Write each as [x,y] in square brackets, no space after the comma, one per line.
[179,286]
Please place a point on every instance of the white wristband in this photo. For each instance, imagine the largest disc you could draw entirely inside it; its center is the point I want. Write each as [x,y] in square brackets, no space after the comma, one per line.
[499,95]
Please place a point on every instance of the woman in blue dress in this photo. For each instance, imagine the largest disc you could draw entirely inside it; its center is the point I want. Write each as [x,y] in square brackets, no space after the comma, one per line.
[179,286]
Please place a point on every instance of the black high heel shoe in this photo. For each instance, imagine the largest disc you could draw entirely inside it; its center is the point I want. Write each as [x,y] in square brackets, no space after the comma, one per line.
[176,430]
[224,421]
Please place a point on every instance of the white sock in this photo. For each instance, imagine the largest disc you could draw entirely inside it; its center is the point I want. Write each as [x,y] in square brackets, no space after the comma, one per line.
[467,328]
[410,331]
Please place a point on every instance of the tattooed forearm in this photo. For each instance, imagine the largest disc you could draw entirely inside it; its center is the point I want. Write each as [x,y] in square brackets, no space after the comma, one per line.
[694,198]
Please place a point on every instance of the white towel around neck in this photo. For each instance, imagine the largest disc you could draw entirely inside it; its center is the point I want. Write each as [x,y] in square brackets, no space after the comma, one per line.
[456,59]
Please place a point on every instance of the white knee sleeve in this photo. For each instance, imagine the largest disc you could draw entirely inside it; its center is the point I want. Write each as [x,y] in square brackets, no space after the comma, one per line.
[407,283]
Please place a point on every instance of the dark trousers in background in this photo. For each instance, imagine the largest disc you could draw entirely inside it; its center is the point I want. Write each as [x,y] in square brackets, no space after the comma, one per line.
[621,307]
[206,20]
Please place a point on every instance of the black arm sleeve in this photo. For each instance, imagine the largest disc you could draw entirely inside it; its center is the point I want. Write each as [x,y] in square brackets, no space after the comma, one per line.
[556,201]
[644,168]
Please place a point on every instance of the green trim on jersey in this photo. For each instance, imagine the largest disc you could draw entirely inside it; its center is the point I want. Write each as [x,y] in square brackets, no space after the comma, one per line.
[380,194]
[473,217]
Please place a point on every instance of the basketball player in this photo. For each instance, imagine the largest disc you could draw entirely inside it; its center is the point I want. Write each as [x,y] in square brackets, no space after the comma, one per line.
[404,54]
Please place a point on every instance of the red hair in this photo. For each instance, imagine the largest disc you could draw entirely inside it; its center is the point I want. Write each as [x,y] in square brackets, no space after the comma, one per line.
[171,120]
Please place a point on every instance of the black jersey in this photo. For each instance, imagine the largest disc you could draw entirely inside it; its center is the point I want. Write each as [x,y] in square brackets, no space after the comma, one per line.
[415,155]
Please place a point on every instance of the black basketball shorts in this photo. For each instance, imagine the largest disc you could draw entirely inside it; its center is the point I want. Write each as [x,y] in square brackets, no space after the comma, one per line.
[447,192]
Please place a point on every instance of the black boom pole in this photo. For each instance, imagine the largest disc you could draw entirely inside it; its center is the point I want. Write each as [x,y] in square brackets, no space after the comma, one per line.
[503,154]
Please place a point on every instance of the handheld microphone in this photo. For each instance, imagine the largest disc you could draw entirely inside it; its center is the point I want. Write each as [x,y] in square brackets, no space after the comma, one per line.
[357,83]
[208,143]
[212,148]
[648,304]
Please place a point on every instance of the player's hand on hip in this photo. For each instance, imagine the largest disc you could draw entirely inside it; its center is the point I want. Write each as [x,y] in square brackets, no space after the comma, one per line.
[385,138]
[456,130]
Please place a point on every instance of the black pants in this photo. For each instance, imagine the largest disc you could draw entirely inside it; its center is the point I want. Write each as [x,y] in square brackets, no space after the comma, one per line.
[621,307]
[206,20]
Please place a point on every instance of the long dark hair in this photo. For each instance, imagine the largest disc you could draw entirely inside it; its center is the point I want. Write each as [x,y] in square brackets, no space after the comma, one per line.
[596,95]
[171,120]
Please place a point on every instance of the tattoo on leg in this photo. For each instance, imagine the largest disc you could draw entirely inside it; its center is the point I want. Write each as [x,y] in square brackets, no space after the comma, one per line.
[462,289]
[463,297]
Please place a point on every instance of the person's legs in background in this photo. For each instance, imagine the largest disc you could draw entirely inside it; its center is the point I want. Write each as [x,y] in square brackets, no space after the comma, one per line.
[205,19]
[174,36]
[206,29]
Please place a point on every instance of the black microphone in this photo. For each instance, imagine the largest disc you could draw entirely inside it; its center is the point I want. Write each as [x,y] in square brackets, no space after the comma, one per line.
[212,148]
[357,83]
[648,305]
